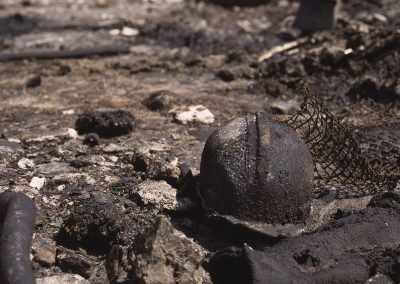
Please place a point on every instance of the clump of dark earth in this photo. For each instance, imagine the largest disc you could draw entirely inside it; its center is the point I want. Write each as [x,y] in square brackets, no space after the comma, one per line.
[33,81]
[342,251]
[370,88]
[160,100]
[106,220]
[91,139]
[105,124]
[256,168]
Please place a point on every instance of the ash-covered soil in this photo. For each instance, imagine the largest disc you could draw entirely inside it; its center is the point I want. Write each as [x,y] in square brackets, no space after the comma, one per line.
[109,150]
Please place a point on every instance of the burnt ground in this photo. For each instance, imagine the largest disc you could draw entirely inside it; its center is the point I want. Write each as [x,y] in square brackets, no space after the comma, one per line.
[91,212]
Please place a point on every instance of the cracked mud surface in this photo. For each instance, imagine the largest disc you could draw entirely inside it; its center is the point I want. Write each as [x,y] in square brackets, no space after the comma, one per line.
[98,197]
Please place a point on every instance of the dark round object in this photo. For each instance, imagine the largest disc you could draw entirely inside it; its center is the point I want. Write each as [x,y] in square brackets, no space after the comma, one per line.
[92,139]
[257,169]
[33,81]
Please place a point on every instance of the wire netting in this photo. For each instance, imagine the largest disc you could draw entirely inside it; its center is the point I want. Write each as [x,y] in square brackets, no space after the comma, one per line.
[339,161]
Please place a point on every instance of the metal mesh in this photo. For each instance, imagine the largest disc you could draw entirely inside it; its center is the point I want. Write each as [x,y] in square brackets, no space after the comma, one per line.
[339,161]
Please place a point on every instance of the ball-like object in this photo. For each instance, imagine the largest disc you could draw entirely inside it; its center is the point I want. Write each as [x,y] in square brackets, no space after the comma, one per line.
[257,169]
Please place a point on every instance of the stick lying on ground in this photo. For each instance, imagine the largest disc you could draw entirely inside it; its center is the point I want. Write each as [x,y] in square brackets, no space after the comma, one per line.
[17,220]
[282,48]
[316,15]
[73,53]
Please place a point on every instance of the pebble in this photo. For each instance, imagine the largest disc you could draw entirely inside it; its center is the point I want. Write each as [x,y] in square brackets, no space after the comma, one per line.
[72,133]
[197,113]
[92,139]
[33,81]
[37,182]
[25,163]
[158,193]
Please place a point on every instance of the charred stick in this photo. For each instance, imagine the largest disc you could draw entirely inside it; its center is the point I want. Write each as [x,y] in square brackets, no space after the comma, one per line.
[17,220]
[65,54]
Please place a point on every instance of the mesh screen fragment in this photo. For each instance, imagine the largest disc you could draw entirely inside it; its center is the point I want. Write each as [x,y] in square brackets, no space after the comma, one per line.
[339,161]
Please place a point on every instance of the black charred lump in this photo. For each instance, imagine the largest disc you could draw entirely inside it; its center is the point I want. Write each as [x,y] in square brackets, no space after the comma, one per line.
[105,124]
[257,169]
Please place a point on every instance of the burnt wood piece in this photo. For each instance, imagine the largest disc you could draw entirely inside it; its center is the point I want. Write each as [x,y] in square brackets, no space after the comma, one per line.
[314,15]
[17,221]
[65,54]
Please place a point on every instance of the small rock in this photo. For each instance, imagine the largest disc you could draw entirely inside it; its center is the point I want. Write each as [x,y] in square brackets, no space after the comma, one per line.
[68,112]
[159,170]
[25,163]
[140,162]
[125,31]
[105,124]
[128,32]
[33,81]
[37,182]
[75,262]
[53,168]
[9,151]
[159,100]
[226,75]
[62,278]
[157,193]
[192,114]
[92,139]
[44,250]
[113,148]
[63,70]
[72,133]
[379,279]
[164,255]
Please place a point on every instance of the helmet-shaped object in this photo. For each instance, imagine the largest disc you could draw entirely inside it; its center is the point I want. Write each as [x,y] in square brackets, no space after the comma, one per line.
[257,169]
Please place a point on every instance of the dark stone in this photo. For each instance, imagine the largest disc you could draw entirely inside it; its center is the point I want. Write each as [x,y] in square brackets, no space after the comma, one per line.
[63,70]
[92,139]
[33,81]
[105,124]
[226,75]
[257,169]
[79,163]
[140,162]
[160,100]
